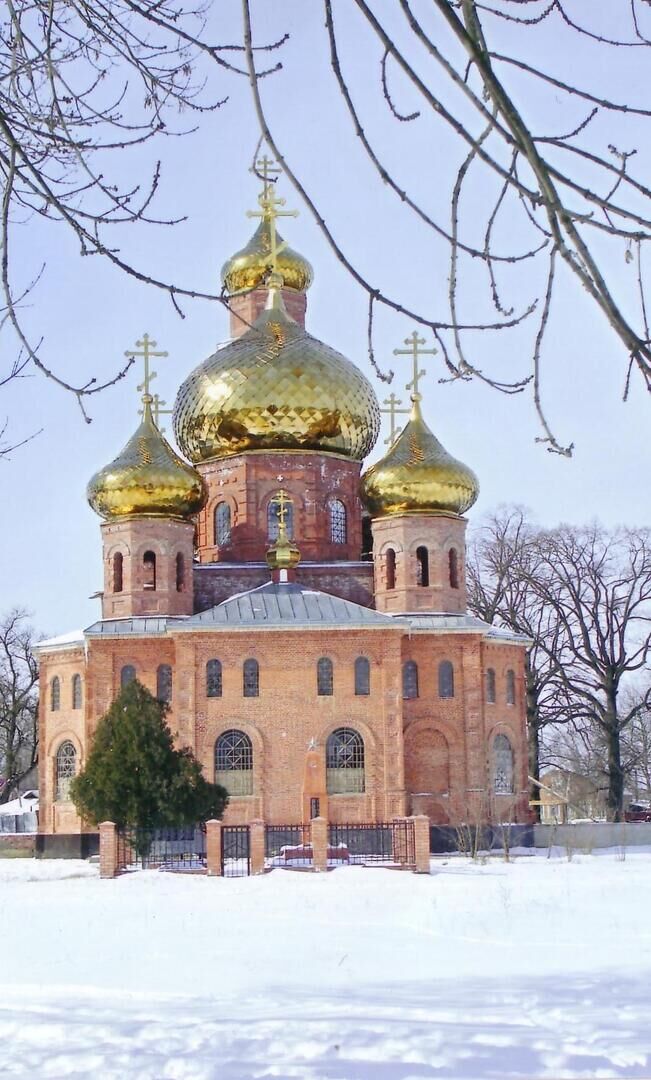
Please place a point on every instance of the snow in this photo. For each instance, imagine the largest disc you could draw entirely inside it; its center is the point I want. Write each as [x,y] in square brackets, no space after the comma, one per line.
[535,968]
[73,637]
[22,805]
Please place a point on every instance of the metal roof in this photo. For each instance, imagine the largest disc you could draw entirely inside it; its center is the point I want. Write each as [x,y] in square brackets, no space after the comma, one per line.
[143,626]
[461,623]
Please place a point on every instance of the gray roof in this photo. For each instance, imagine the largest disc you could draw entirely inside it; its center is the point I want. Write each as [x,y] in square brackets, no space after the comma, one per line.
[143,626]
[461,624]
[288,605]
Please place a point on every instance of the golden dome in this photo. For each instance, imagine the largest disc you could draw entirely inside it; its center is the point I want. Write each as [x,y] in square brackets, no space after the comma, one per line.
[276,388]
[251,266]
[283,554]
[418,475]
[147,477]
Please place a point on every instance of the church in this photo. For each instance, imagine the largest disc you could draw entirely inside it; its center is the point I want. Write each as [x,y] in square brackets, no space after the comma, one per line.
[304,618]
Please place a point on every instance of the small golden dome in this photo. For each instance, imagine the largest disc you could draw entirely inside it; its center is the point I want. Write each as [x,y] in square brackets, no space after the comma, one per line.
[147,477]
[276,388]
[283,554]
[251,266]
[418,476]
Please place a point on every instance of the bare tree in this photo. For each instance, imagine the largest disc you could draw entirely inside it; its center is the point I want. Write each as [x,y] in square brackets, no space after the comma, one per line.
[18,702]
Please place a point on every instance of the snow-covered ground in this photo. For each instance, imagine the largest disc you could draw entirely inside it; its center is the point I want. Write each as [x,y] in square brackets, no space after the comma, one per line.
[537,968]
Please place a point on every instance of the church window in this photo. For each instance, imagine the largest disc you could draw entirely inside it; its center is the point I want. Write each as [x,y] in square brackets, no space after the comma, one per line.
[367,538]
[410,680]
[345,762]
[324,677]
[391,568]
[362,676]
[214,678]
[149,570]
[446,679]
[502,766]
[490,686]
[251,678]
[234,762]
[453,566]
[338,522]
[510,687]
[422,566]
[55,694]
[180,572]
[273,519]
[127,675]
[118,572]
[222,524]
[76,691]
[66,768]
[164,683]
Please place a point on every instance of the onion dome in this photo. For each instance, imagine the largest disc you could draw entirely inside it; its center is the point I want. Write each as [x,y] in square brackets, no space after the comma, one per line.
[276,388]
[283,554]
[147,477]
[251,266]
[418,476]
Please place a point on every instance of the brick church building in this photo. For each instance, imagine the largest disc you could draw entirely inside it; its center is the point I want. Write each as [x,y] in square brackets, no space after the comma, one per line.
[305,620]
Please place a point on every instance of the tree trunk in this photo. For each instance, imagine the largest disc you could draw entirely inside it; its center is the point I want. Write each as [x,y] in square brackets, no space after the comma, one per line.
[533,737]
[615,771]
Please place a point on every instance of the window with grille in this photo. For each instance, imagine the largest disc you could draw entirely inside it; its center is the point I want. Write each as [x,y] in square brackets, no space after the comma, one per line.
[362,676]
[324,677]
[118,572]
[222,524]
[76,691]
[422,566]
[338,523]
[251,678]
[502,766]
[214,678]
[391,568]
[345,762]
[234,762]
[55,694]
[127,675]
[453,567]
[66,768]
[273,519]
[510,687]
[446,679]
[410,680]
[490,686]
[164,683]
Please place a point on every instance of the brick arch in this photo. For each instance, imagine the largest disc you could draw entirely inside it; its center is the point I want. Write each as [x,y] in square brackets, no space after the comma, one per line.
[66,735]
[272,487]
[119,547]
[232,723]
[427,760]
[395,544]
[430,542]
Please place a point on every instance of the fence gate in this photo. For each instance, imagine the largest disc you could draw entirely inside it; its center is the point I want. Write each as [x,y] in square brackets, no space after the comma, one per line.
[392,843]
[236,851]
[289,846]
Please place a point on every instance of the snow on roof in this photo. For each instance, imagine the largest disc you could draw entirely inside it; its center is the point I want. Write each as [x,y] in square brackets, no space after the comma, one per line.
[74,637]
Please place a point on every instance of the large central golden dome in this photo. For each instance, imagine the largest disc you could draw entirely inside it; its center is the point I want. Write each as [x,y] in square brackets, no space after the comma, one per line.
[276,388]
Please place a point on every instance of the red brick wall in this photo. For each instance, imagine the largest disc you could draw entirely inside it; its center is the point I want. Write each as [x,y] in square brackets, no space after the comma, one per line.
[132,537]
[250,305]
[216,582]
[438,533]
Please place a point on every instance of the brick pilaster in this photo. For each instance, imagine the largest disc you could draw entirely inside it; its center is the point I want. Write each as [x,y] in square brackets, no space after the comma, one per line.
[256,846]
[421,839]
[214,847]
[108,850]
[319,827]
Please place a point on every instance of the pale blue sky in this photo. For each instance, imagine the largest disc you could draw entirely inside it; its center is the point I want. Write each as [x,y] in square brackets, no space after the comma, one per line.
[89,315]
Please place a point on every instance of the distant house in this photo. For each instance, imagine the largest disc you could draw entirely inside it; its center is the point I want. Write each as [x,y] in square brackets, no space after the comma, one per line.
[570,796]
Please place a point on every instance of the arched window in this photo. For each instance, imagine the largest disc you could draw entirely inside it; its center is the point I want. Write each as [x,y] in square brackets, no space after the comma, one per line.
[510,687]
[362,676]
[446,679]
[66,768]
[55,694]
[391,568]
[76,691]
[324,677]
[164,683]
[149,570]
[251,678]
[410,680]
[127,675]
[422,566]
[338,522]
[118,572]
[180,572]
[345,762]
[453,567]
[214,678]
[502,766]
[273,519]
[490,686]
[234,762]
[222,524]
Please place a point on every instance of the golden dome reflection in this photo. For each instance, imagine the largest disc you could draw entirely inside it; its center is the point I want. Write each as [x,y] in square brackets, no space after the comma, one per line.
[251,266]
[417,475]
[147,477]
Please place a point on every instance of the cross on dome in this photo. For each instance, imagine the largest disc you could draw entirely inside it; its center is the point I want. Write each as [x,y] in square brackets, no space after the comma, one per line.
[267,171]
[414,350]
[392,401]
[145,348]
[269,211]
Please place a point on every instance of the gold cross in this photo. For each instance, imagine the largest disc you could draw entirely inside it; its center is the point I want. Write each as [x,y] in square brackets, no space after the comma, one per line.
[392,401]
[282,500]
[265,169]
[157,411]
[269,212]
[146,347]
[414,342]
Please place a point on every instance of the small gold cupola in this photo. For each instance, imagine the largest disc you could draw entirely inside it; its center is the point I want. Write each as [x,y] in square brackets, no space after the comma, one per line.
[250,268]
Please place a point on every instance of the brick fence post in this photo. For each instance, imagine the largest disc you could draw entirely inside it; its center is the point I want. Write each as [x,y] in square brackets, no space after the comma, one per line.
[319,843]
[108,850]
[256,846]
[214,847]
[421,838]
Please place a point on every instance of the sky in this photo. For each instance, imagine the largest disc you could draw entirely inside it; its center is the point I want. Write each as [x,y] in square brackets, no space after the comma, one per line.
[87,314]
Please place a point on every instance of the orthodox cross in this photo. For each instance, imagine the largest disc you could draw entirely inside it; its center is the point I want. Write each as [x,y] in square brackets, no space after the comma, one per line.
[269,212]
[414,350]
[282,500]
[266,170]
[392,401]
[157,411]
[145,348]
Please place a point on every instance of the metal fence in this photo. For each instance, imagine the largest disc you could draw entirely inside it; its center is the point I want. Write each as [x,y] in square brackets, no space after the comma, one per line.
[182,848]
[289,846]
[236,851]
[388,844]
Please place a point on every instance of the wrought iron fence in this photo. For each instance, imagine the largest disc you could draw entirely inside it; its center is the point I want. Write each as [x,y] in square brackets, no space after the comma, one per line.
[289,846]
[236,851]
[181,848]
[392,843]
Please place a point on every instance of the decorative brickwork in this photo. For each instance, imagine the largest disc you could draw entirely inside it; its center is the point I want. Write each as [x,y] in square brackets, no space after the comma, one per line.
[147,567]
[427,577]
